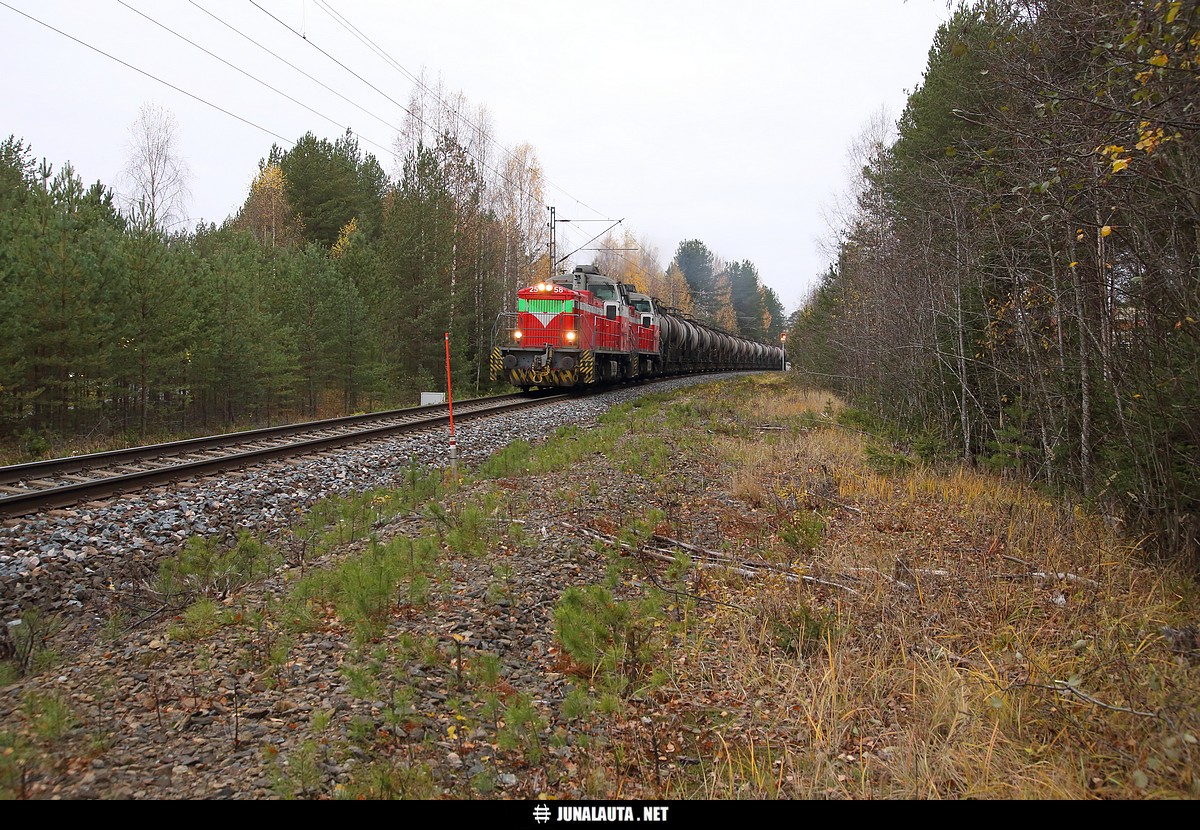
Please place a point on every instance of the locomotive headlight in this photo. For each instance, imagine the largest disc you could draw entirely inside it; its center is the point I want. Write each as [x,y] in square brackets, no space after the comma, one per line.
[541,286]
[518,334]
[570,337]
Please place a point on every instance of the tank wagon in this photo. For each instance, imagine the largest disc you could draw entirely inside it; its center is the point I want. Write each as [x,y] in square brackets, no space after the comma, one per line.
[586,328]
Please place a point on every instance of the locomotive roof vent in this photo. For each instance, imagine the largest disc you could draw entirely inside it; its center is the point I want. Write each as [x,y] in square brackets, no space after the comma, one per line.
[587,269]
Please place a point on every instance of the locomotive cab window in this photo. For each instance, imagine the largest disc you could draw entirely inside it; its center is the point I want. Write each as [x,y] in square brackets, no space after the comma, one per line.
[605,291]
[644,308]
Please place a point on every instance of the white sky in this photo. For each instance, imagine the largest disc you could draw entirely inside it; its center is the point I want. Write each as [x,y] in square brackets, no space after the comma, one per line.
[727,122]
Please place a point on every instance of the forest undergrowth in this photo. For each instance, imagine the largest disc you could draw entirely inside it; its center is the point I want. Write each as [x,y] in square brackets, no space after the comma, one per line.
[732,591]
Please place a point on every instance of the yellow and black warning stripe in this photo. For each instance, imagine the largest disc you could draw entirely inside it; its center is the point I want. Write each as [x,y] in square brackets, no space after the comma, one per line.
[587,366]
[544,377]
[496,365]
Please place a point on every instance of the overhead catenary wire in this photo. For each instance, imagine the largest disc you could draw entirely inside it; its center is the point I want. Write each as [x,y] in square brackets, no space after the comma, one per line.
[286,141]
[330,89]
[363,38]
[342,21]
[414,115]
[291,65]
[338,17]
[149,75]
[274,134]
[250,75]
[589,242]
[268,131]
[304,36]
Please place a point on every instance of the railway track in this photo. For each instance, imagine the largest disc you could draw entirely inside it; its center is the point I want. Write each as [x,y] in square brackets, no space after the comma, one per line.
[41,485]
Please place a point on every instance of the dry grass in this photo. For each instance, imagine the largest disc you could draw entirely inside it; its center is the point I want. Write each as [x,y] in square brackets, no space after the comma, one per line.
[778,405]
[999,643]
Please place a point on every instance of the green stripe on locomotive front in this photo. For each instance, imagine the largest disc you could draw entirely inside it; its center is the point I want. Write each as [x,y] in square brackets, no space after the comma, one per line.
[545,306]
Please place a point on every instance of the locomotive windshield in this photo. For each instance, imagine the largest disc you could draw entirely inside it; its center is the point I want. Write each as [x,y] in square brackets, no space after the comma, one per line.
[604,291]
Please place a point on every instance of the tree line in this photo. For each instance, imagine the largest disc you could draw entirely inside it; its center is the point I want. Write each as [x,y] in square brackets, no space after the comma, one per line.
[699,283]
[327,292]
[1020,275]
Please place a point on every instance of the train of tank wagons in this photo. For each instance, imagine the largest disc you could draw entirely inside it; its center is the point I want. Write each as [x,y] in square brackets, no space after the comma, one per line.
[585,328]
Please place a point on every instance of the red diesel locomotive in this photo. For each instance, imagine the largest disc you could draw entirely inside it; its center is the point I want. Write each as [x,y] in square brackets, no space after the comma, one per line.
[586,328]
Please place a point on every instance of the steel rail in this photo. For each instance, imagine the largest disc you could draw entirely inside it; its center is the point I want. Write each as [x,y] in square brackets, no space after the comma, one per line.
[82,463]
[20,504]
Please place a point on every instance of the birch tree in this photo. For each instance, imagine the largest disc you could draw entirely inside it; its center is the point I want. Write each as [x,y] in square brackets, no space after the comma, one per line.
[156,172]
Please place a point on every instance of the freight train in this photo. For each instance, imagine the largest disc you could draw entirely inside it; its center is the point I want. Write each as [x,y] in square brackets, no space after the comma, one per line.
[586,328]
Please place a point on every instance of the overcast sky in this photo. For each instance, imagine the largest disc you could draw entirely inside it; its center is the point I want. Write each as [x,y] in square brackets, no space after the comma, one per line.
[726,121]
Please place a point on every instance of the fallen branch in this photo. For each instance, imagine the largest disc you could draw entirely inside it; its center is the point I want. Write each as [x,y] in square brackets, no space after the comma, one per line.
[147,618]
[714,559]
[1061,686]
[676,543]
[664,556]
[745,568]
[834,502]
[939,652]
[888,577]
[1064,688]
[1044,575]
[678,593]
[828,582]
[717,556]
